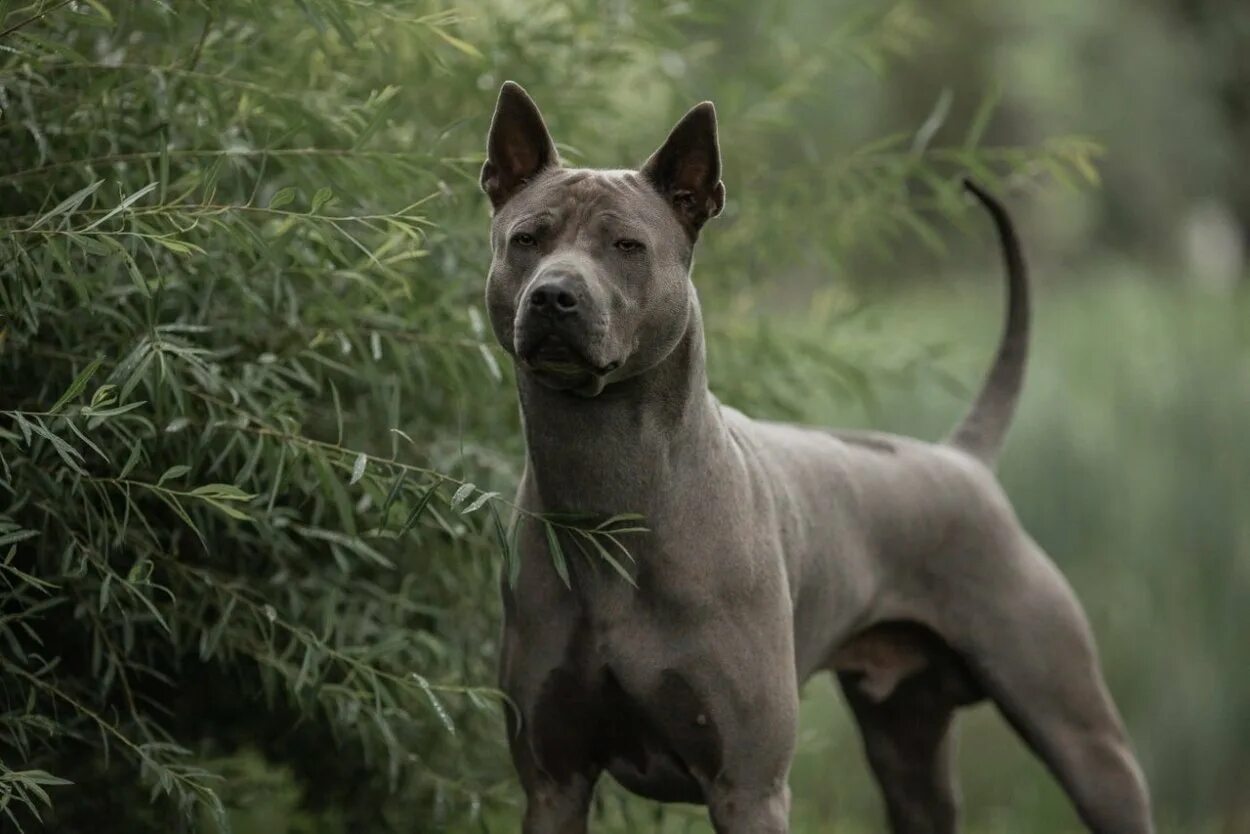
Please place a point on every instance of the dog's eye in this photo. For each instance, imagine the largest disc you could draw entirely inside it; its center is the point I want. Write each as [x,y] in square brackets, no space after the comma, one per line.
[524,239]
[626,244]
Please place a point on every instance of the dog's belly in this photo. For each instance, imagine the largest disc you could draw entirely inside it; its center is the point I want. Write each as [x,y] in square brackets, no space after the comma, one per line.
[877,660]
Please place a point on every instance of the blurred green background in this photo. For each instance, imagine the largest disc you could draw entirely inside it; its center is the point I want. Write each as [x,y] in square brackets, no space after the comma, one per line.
[254,436]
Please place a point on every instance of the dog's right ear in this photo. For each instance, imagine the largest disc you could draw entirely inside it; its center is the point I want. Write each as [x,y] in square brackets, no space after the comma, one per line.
[519,146]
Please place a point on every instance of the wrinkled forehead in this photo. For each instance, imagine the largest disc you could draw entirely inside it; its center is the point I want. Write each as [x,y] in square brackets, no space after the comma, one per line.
[580,195]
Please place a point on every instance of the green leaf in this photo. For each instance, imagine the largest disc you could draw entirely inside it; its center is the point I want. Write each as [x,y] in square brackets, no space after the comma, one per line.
[222,492]
[173,472]
[323,196]
[624,550]
[491,364]
[136,451]
[933,123]
[71,456]
[69,204]
[396,486]
[103,396]
[455,42]
[17,536]
[282,197]
[23,424]
[338,413]
[479,502]
[981,119]
[338,494]
[557,555]
[98,414]
[439,709]
[176,505]
[177,424]
[132,269]
[76,387]
[123,205]
[422,503]
[358,468]
[620,518]
[39,777]
[461,494]
[608,557]
[233,512]
[140,571]
[352,543]
[178,247]
[511,558]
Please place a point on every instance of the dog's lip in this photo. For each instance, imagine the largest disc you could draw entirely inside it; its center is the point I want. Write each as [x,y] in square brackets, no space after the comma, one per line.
[553,349]
[553,354]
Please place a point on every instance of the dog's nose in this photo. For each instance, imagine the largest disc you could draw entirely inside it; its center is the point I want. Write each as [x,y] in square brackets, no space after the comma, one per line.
[554,295]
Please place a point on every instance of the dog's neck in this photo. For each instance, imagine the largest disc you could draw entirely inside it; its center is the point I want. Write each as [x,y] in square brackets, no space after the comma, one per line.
[612,453]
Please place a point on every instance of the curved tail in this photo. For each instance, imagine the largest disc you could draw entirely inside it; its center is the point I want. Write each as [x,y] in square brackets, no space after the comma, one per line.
[983,429]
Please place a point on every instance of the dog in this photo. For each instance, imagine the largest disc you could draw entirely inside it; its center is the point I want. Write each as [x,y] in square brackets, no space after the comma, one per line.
[772,551]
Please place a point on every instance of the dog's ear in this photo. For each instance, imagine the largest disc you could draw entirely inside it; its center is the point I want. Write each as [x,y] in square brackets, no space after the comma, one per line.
[519,146]
[686,168]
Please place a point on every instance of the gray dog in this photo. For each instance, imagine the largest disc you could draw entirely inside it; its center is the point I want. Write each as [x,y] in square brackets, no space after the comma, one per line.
[773,551]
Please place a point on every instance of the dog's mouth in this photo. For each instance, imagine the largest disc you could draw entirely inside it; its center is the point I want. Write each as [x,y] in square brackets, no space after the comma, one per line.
[554,355]
[557,364]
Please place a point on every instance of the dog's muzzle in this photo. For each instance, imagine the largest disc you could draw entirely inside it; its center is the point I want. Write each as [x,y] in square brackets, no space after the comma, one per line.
[555,334]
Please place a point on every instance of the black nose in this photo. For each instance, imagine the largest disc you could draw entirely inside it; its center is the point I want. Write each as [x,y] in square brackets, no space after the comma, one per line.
[555,295]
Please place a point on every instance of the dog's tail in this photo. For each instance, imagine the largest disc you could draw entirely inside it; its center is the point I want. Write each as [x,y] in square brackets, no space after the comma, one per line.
[983,429]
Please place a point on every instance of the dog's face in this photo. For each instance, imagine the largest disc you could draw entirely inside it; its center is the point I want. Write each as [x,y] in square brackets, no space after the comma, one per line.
[590,274]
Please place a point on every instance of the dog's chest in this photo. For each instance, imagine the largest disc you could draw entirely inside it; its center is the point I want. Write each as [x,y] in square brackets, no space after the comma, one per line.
[657,745]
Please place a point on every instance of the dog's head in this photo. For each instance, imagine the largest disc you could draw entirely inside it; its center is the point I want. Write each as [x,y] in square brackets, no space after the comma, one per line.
[590,275]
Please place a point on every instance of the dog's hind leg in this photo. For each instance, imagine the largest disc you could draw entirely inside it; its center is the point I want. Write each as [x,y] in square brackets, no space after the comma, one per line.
[1028,643]
[907,739]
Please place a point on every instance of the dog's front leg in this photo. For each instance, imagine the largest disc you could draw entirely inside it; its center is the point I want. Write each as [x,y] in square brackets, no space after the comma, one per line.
[750,809]
[556,772]
[750,794]
[551,749]
[554,808]
[730,710]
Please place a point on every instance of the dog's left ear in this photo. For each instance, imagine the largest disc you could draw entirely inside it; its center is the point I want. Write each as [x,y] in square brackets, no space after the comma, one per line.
[519,146]
[686,168]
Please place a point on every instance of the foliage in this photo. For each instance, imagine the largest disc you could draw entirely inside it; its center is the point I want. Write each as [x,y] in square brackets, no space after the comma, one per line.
[253,434]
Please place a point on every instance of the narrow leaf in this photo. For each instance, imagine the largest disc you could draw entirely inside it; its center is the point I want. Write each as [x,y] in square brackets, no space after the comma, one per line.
[76,387]
[174,472]
[609,558]
[358,468]
[69,204]
[422,503]
[557,555]
[123,205]
[392,495]
[461,494]
[479,502]
[457,43]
